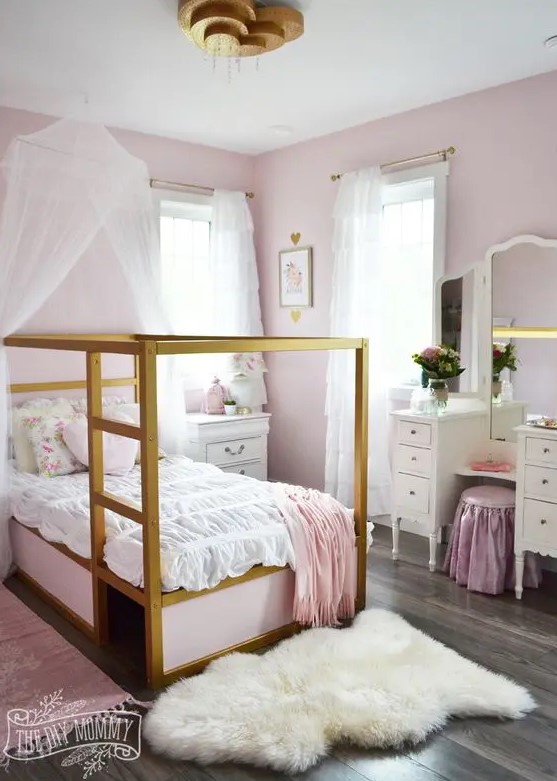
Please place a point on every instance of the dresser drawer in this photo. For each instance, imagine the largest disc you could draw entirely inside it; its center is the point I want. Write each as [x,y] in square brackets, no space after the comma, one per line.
[544,450]
[540,522]
[412,493]
[416,460]
[414,433]
[540,481]
[254,469]
[234,451]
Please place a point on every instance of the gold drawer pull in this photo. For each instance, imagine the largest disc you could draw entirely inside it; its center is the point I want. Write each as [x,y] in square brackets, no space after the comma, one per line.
[545,482]
[546,450]
[235,452]
[543,521]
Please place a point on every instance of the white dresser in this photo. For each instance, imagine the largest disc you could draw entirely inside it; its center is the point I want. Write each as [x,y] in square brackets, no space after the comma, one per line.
[536,496]
[235,443]
[428,452]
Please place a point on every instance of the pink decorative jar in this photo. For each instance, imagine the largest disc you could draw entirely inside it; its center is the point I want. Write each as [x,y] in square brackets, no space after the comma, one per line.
[213,400]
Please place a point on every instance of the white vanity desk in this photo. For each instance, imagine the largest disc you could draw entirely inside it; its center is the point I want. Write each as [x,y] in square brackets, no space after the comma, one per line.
[430,464]
[536,497]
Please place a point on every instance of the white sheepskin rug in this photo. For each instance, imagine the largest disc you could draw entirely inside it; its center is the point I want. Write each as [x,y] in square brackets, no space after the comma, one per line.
[378,684]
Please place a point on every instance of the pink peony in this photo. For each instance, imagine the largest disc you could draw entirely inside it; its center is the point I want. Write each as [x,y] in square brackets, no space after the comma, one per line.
[430,354]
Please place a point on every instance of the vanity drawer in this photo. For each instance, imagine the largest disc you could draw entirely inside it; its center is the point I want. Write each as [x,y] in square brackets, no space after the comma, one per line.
[234,451]
[540,522]
[414,433]
[254,469]
[540,481]
[414,459]
[412,493]
[544,450]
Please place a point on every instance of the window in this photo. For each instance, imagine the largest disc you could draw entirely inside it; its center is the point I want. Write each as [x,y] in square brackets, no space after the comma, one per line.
[413,239]
[185,232]
[185,241]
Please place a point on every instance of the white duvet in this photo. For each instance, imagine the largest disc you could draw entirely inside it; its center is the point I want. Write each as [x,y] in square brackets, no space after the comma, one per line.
[213,524]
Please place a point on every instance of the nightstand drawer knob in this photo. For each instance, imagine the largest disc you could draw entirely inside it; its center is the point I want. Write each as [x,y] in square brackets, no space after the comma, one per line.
[414,458]
[543,521]
[235,452]
[546,450]
[413,431]
[545,482]
[412,493]
[242,471]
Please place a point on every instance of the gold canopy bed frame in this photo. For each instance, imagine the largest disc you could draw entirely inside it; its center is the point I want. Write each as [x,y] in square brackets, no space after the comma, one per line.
[145,349]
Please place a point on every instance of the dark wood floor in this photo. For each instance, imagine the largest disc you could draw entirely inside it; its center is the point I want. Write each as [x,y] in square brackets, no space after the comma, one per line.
[515,638]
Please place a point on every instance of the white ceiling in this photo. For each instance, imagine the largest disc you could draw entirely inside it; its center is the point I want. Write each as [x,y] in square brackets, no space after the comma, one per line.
[126,63]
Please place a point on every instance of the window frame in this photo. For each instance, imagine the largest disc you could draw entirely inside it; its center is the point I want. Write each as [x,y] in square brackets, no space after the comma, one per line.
[439,173]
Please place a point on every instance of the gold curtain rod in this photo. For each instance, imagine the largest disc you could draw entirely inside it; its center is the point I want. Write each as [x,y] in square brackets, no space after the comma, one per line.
[443,153]
[161,184]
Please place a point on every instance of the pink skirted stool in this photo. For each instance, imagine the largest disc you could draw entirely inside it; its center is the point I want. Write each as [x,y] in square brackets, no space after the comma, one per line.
[480,554]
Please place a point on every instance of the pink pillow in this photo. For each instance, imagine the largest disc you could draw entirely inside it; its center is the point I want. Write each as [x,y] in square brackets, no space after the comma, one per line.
[118,452]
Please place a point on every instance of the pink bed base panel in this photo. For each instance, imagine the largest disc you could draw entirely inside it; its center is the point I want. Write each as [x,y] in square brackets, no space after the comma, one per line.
[198,627]
[56,573]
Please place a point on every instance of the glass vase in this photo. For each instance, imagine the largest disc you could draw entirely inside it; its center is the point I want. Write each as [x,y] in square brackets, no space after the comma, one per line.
[440,393]
[496,387]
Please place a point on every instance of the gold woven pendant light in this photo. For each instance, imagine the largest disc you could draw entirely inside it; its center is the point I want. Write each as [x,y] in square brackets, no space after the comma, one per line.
[238,28]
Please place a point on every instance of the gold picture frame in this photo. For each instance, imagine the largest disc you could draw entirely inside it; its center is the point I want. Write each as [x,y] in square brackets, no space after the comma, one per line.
[296,278]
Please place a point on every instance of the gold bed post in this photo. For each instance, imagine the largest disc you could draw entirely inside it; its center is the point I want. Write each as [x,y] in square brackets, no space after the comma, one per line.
[150,507]
[96,486]
[360,467]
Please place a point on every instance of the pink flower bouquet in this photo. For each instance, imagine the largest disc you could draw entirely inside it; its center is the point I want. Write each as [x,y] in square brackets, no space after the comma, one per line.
[439,362]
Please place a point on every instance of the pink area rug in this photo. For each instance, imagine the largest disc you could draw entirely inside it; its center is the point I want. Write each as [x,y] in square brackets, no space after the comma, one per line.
[39,670]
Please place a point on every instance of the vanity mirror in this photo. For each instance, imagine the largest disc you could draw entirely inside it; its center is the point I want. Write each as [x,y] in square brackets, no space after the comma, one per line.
[519,370]
[458,302]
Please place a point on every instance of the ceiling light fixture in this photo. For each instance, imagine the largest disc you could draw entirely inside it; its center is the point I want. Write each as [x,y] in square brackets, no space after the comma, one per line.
[238,28]
[550,42]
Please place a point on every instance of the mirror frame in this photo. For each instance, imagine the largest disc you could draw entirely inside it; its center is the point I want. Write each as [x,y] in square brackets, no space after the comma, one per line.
[479,306]
[487,333]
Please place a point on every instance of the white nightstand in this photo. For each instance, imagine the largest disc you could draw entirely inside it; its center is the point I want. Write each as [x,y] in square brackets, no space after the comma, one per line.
[235,443]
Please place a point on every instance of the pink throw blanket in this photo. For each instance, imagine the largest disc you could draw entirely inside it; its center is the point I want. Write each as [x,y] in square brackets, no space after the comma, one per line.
[323,537]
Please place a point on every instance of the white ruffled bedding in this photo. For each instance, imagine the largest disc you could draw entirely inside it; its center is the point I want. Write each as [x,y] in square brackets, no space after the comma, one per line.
[213,524]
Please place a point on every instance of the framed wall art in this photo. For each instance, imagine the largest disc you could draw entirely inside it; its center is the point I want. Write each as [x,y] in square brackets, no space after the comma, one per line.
[296,277]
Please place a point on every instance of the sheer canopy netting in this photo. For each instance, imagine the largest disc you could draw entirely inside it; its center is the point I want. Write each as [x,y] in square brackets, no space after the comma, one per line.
[356,310]
[64,185]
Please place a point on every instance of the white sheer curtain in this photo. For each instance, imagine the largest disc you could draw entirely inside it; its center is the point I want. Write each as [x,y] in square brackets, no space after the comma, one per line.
[63,185]
[133,233]
[234,278]
[356,310]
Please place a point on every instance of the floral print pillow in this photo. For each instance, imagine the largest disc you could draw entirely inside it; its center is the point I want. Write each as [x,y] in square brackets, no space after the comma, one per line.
[45,435]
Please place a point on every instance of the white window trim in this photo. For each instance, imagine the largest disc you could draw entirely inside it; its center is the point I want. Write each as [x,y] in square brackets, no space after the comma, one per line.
[439,172]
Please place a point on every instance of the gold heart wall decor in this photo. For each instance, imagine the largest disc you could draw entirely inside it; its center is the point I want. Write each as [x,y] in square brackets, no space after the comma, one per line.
[295,314]
[295,238]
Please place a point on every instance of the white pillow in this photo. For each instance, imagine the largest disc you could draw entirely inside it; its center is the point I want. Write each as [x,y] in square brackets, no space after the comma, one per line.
[45,433]
[25,459]
[131,409]
[119,453]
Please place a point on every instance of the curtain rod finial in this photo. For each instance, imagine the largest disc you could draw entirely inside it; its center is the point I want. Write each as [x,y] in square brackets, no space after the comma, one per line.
[335,177]
[250,195]
[451,150]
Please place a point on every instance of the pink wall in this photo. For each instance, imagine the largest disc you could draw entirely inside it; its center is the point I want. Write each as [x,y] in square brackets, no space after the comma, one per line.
[94,296]
[502,183]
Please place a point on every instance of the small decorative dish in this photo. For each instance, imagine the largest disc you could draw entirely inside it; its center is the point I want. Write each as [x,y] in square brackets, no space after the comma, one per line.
[543,423]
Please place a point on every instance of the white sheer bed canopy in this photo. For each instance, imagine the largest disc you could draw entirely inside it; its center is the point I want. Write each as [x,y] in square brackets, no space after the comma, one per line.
[64,185]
